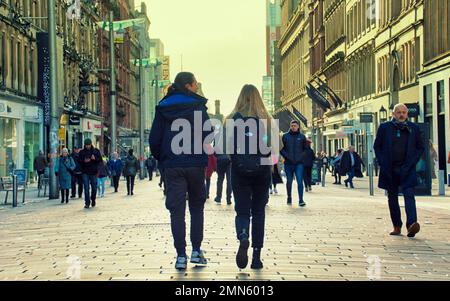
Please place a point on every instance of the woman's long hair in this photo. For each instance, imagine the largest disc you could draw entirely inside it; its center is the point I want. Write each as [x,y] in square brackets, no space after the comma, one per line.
[250,104]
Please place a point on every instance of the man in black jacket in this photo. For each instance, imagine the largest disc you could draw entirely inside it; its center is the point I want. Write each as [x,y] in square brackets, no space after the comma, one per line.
[77,176]
[351,165]
[89,159]
[308,160]
[184,170]
[294,145]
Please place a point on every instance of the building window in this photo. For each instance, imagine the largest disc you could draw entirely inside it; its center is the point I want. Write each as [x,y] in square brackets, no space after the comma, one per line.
[441,97]
[2,60]
[428,100]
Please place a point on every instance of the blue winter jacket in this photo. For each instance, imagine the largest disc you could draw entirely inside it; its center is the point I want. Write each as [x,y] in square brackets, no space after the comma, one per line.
[294,144]
[181,107]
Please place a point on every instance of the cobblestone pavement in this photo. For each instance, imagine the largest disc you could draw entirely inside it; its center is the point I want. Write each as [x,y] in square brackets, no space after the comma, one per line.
[340,235]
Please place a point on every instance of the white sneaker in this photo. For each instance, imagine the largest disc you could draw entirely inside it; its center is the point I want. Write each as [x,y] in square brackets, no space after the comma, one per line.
[275,190]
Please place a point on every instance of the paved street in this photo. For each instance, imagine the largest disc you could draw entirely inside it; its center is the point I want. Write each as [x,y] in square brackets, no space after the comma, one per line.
[340,235]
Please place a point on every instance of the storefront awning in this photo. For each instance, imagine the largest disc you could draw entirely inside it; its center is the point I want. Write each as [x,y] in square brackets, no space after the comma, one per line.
[334,97]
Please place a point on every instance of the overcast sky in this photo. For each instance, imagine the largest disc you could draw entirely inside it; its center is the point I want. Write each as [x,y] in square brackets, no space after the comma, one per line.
[222,42]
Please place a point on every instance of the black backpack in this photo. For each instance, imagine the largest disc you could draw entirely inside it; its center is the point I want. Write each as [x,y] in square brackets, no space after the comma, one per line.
[245,163]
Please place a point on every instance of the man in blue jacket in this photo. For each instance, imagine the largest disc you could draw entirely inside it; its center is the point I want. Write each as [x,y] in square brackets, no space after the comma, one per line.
[294,146]
[184,172]
[398,148]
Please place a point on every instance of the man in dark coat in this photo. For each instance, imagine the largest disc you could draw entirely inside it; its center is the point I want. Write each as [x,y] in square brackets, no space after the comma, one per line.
[77,178]
[89,159]
[308,160]
[40,163]
[398,148]
[184,170]
[150,164]
[351,165]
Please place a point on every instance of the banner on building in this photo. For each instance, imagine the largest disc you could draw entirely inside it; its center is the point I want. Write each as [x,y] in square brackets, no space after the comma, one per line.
[165,68]
[43,85]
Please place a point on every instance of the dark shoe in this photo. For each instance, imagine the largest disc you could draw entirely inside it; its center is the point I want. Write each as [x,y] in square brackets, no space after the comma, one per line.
[86,206]
[413,230]
[62,201]
[181,263]
[289,201]
[242,256]
[351,186]
[72,196]
[67,201]
[302,204]
[217,201]
[132,193]
[93,203]
[346,183]
[198,258]
[310,189]
[229,202]
[256,264]
[397,231]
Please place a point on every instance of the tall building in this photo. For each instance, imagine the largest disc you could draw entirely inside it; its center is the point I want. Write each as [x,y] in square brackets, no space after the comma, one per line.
[271,89]
[434,79]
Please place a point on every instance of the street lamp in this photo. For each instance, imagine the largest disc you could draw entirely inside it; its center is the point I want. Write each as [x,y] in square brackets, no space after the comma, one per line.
[383,114]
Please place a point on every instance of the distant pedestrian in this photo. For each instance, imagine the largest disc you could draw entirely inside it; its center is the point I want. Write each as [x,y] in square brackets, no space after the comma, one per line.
[250,179]
[103,173]
[351,165]
[63,169]
[40,163]
[336,162]
[115,167]
[150,164]
[308,159]
[90,158]
[131,167]
[294,145]
[210,169]
[182,172]
[276,176]
[77,176]
[398,147]
[223,174]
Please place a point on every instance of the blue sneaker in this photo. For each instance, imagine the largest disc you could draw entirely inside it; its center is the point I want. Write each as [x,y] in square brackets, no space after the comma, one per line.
[181,263]
[198,257]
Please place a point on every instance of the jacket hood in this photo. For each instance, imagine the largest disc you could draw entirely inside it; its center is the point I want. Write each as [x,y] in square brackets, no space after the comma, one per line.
[181,105]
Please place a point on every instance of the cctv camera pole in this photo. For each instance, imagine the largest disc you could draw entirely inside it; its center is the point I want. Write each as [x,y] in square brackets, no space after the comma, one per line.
[54,122]
[112,84]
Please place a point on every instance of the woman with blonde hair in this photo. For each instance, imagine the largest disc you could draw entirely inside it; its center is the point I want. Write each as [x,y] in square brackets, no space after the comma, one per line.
[250,175]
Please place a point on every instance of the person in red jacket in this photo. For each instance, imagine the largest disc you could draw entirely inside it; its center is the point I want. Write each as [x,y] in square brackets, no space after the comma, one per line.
[210,169]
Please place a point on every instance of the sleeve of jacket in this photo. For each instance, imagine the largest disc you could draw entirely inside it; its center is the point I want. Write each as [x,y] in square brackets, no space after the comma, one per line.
[378,145]
[283,149]
[156,135]
[56,167]
[72,164]
[420,145]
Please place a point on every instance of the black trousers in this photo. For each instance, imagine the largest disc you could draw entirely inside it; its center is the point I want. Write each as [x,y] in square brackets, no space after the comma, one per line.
[150,173]
[251,195]
[64,195]
[116,180]
[179,182]
[223,170]
[307,176]
[130,183]
[77,180]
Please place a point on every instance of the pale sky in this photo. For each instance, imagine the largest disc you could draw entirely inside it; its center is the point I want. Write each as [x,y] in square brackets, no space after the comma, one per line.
[222,43]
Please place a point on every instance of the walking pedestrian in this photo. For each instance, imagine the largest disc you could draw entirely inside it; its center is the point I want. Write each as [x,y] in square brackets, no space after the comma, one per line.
[223,173]
[276,176]
[294,145]
[39,164]
[308,159]
[115,167]
[103,173]
[131,167]
[77,176]
[350,165]
[90,158]
[210,169]
[64,169]
[337,166]
[398,147]
[250,178]
[150,164]
[183,172]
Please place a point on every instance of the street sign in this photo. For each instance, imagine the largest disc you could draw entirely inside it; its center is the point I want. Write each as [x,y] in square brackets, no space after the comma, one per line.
[413,110]
[348,130]
[118,38]
[366,118]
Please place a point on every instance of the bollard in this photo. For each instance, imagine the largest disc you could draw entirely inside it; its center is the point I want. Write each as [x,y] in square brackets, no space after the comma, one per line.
[370,169]
[15,187]
[324,169]
[441,183]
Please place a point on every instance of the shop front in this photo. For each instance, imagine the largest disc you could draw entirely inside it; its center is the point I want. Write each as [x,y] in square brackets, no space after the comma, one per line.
[21,136]
[92,129]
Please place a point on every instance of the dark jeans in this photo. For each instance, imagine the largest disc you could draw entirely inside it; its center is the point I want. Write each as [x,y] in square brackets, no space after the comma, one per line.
[64,195]
[307,176]
[130,184]
[90,181]
[116,180]
[223,170]
[394,207]
[351,175]
[251,196]
[182,181]
[40,173]
[150,174]
[77,179]
[290,170]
